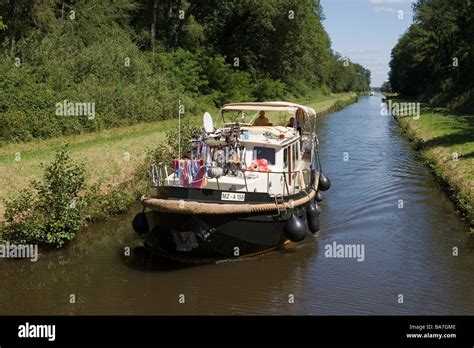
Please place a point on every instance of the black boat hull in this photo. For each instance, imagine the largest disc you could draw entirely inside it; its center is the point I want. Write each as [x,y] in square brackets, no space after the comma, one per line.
[207,238]
[201,238]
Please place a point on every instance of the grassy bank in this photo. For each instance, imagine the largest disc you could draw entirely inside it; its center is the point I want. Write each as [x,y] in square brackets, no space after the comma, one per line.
[446,144]
[113,158]
[327,104]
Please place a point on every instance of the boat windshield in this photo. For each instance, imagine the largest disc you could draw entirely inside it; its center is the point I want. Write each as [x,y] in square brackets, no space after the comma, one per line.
[257,117]
[292,117]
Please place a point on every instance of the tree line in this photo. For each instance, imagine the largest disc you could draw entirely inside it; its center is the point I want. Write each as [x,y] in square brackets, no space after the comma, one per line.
[138,59]
[434,60]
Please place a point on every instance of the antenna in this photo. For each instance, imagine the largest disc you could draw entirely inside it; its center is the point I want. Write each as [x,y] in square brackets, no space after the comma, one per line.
[179,129]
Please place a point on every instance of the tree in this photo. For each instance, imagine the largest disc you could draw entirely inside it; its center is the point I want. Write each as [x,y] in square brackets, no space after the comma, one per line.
[434,59]
[153,23]
[136,58]
[386,87]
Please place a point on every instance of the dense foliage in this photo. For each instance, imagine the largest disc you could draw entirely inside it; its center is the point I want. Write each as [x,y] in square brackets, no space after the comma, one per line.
[49,211]
[434,59]
[136,60]
[386,87]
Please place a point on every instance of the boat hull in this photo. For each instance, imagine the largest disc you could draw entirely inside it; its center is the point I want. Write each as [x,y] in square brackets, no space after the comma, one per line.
[208,238]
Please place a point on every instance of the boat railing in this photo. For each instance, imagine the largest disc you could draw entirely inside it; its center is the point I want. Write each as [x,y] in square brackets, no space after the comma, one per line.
[291,182]
[284,182]
[158,173]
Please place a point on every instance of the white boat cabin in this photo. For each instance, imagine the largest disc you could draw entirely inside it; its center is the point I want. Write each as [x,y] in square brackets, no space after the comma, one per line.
[258,147]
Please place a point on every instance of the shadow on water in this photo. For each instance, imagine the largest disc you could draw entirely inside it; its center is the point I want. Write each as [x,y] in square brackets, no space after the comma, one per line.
[141,259]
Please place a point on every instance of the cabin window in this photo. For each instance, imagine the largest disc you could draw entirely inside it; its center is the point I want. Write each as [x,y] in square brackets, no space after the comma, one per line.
[267,153]
[285,157]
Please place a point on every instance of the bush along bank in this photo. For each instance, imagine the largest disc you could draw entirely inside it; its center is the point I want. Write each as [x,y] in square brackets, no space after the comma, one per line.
[445,142]
[53,209]
[49,211]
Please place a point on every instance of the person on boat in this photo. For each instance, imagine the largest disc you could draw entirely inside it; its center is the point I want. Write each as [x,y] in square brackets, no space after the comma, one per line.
[300,120]
[261,120]
[291,122]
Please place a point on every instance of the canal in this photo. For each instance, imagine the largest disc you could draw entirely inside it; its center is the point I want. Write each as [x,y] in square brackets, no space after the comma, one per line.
[382,199]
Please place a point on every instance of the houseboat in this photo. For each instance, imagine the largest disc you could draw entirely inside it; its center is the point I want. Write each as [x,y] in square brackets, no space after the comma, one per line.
[249,186]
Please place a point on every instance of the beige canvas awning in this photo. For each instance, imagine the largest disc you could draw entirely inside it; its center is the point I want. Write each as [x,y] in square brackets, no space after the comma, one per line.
[269,106]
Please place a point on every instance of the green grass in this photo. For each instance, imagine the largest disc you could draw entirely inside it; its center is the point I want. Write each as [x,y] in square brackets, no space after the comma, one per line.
[442,137]
[327,104]
[105,153]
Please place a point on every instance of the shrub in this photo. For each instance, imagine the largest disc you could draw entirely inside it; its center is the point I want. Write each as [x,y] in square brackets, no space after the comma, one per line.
[14,126]
[50,213]
[99,205]
[226,83]
[186,69]
[267,89]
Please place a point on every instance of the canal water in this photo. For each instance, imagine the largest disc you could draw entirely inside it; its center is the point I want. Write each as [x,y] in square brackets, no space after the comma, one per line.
[381,199]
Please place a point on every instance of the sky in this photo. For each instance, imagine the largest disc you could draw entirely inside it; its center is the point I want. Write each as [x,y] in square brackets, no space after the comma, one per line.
[365,31]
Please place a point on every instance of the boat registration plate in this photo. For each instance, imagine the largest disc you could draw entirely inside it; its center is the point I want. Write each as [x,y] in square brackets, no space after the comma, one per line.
[233,196]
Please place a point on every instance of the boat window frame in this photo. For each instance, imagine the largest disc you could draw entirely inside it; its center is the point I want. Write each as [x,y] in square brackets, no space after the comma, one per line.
[255,154]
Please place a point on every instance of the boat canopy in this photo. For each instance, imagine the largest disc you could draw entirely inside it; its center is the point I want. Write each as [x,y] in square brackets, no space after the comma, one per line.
[268,106]
[280,113]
